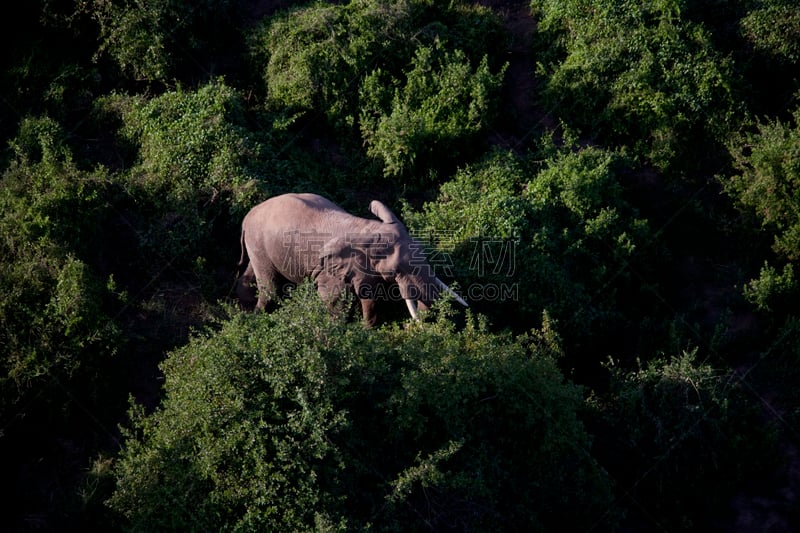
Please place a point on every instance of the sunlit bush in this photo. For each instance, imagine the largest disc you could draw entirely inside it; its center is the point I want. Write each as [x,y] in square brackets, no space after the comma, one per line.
[639,75]
[194,162]
[296,421]
[413,78]
[559,231]
[192,145]
[440,108]
[767,162]
[773,290]
[156,40]
[774,28]
[768,178]
[316,57]
[53,325]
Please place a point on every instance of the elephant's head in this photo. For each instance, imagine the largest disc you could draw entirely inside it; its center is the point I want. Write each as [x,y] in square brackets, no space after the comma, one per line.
[382,255]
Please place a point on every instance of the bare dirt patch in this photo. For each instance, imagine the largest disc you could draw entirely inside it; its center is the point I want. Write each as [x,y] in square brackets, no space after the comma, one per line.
[521,116]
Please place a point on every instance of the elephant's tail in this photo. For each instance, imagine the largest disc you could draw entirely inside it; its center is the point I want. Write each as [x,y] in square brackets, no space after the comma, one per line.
[243,257]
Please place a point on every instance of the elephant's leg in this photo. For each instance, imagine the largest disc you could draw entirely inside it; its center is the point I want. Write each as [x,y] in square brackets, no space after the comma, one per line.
[246,288]
[369,312]
[266,282]
[266,292]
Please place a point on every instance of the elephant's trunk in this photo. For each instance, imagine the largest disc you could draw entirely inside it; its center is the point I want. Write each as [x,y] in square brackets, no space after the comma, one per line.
[443,286]
[412,308]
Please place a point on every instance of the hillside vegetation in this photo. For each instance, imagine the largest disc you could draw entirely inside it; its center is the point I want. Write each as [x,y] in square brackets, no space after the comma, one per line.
[613,185]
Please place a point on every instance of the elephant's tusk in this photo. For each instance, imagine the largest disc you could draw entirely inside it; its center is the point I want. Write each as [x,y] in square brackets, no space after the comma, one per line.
[412,308]
[442,285]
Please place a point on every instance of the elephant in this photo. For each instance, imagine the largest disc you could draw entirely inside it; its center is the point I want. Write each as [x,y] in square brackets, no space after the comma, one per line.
[291,237]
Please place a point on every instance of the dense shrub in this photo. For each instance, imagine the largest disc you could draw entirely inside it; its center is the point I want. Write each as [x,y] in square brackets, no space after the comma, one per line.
[559,232]
[194,162]
[766,184]
[441,107]
[768,180]
[312,55]
[773,290]
[156,41]
[294,420]
[639,75]
[773,28]
[675,428]
[316,57]
[412,64]
[192,144]
[53,325]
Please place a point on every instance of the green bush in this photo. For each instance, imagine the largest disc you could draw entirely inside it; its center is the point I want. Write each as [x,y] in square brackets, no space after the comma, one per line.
[53,325]
[680,439]
[773,27]
[768,180]
[773,291]
[559,231]
[193,145]
[295,421]
[638,75]
[392,64]
[151,41]
[439,110]
[315,57]
[195,163]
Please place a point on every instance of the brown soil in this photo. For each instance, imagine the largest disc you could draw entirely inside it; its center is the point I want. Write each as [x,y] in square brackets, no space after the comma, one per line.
[520,116]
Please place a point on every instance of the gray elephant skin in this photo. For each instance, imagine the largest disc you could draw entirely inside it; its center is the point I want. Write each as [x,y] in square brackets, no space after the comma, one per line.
[292,237]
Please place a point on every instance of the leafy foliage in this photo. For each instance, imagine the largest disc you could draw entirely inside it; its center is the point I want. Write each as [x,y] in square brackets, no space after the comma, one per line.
[53,325]
[768,180]
[312,54]
[149,40]
[317,56]
[442,105]
[772,288]
[191,143]
[638,75]
[562,233]
[774,28]
[767,185]
[295,420]
[195,162]
[408,72]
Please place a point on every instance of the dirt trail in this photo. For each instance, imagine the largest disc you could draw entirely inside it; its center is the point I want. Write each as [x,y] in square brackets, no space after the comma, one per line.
[520,116]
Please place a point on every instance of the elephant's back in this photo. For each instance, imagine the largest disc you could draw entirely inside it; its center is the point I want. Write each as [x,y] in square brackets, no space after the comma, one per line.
[296,211]
[299,203]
